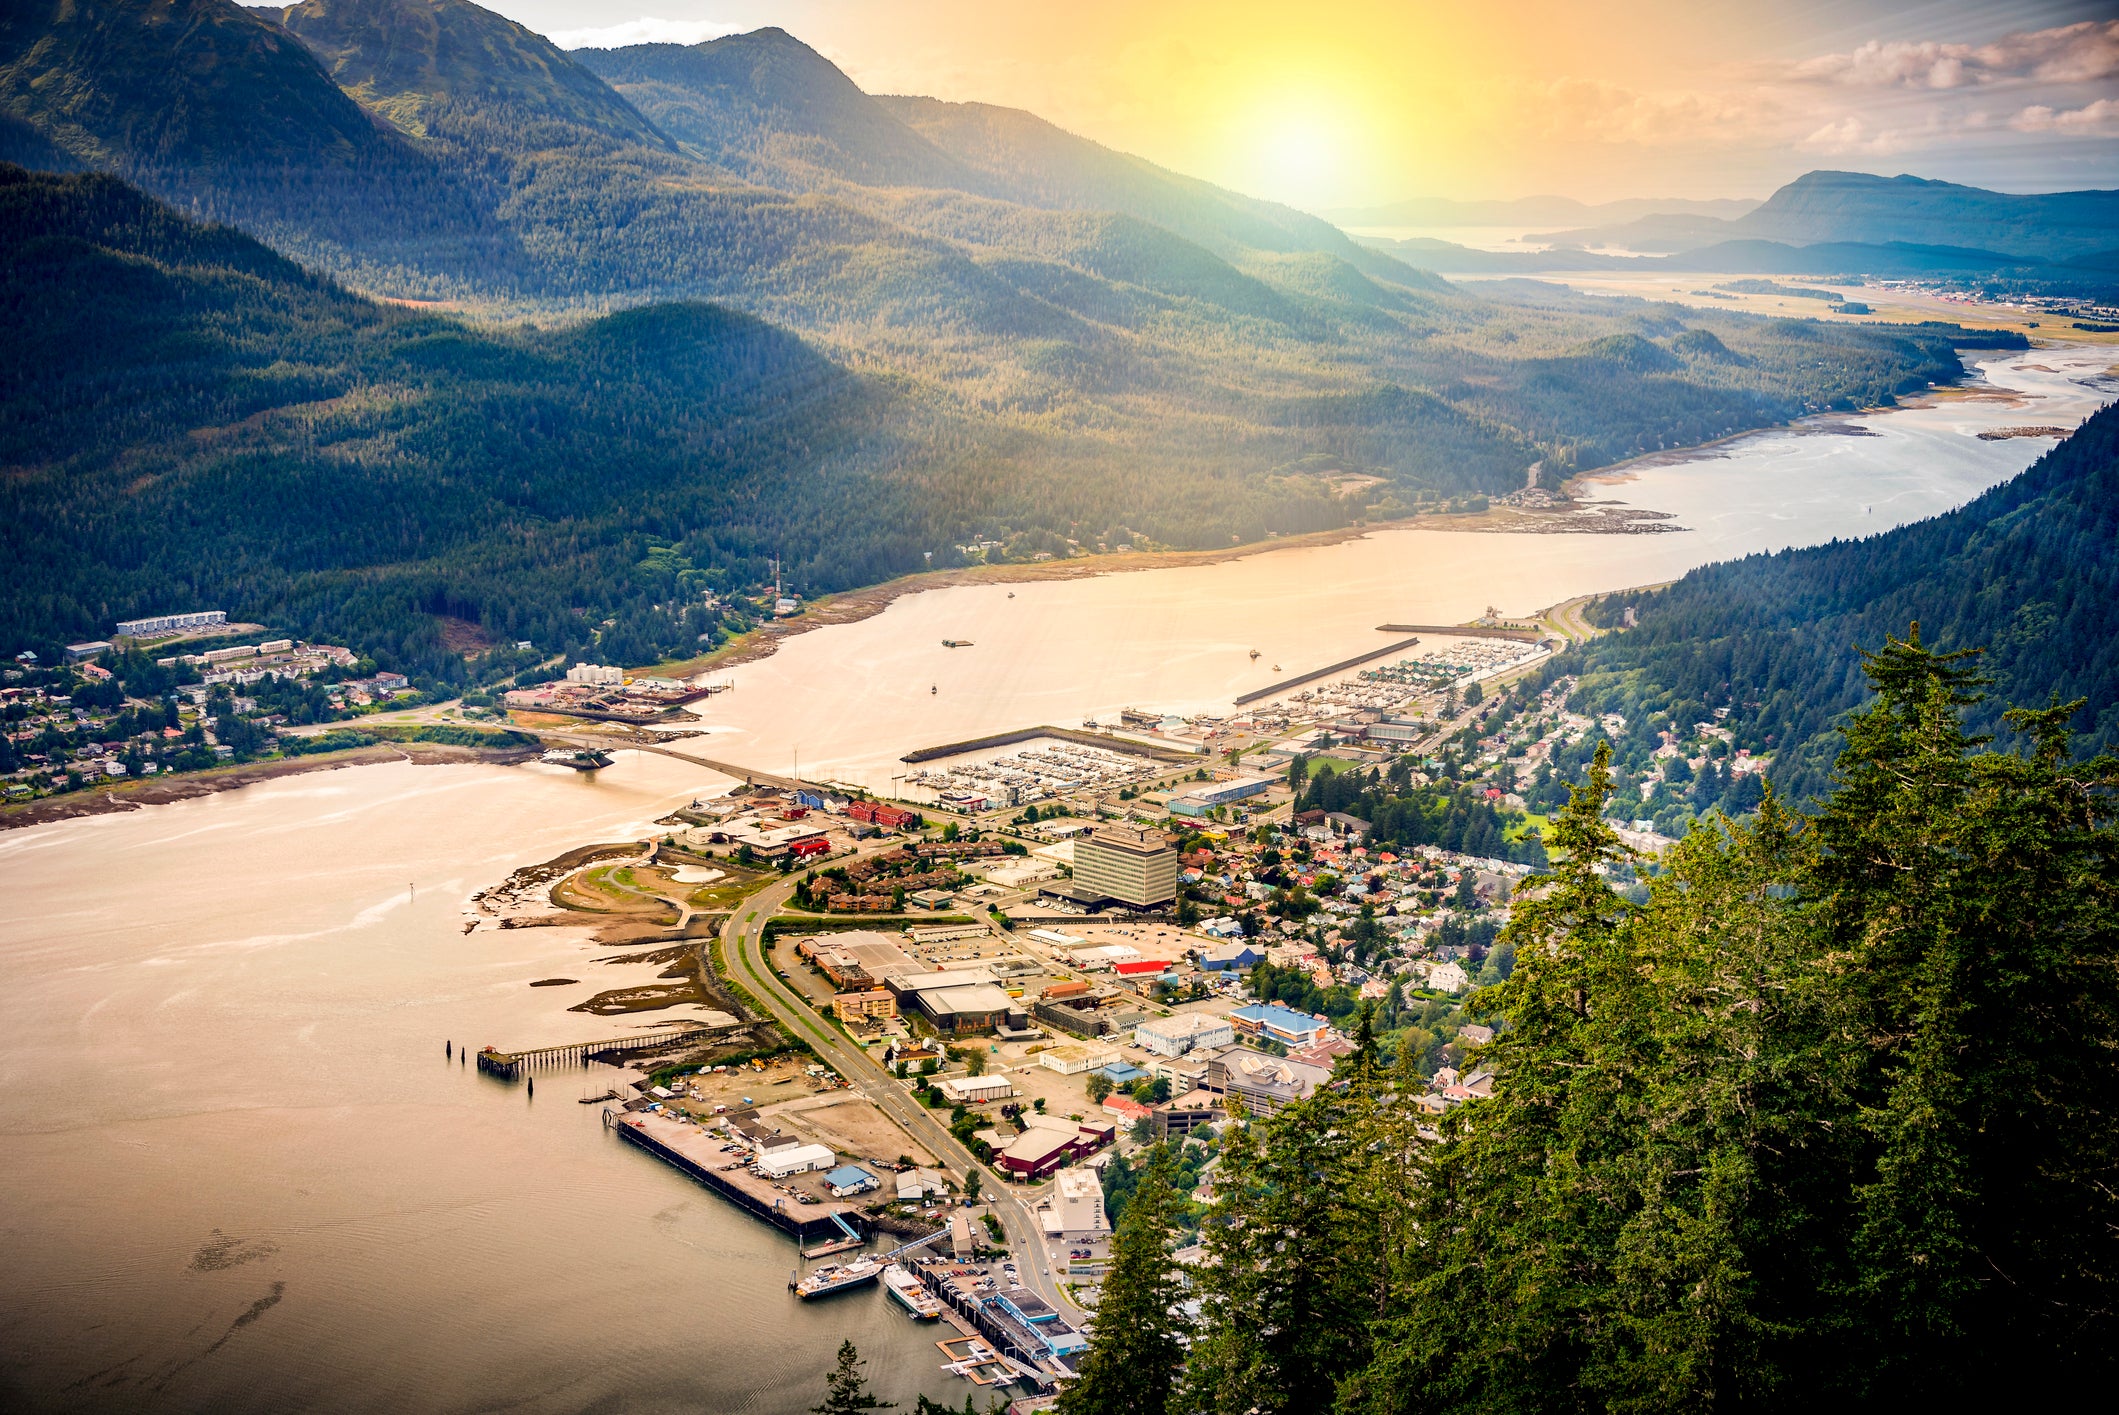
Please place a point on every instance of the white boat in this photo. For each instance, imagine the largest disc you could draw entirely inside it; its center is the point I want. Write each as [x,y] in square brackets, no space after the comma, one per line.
[837,1277]
[909,1294]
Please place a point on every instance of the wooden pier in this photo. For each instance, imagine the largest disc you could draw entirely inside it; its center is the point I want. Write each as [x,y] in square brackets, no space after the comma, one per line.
[512,1065]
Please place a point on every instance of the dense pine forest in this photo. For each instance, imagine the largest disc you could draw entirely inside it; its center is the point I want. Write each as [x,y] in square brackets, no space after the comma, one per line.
[1827,1121]
[2025,573]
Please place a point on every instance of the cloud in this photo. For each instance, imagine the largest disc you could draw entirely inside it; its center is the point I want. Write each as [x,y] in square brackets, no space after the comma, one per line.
[1610,112]
[2079,53]
[644,30]
[2099,119]
[1849,136]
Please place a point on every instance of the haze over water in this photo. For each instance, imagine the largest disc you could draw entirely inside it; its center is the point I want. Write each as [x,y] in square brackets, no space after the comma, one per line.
[236,1173]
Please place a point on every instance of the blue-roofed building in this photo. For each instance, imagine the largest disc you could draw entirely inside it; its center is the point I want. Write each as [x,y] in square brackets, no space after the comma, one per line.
[1281,1024]
[849,1179]
[1123,1073]
[1231,955]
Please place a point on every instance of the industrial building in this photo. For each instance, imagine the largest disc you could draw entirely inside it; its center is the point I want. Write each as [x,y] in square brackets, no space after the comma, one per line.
[975,1090]
[795,1159]
[1174,1036]
[1200,800]
[1137,868]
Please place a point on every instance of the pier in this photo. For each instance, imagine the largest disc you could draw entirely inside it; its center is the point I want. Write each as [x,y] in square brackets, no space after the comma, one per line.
[686,1147]
[511,1065]
[1470,631]
[1340,667]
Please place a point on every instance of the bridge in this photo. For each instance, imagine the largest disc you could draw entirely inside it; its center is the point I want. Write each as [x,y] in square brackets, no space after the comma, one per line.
[510,1065]
[1471,631]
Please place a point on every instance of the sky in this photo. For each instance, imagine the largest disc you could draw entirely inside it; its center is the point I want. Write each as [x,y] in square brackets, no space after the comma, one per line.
[1339,104]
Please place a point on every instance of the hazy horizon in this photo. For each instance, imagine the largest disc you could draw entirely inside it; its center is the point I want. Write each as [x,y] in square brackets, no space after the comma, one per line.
[1366,103]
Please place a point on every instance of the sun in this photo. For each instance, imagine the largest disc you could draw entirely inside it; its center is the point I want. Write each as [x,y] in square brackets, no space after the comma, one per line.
[1303,151]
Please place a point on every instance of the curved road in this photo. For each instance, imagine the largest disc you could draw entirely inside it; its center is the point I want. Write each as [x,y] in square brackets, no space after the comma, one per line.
[743,947]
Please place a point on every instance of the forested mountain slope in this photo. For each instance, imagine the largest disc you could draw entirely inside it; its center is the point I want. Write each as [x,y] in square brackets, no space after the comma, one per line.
[229,117]
[2028,573]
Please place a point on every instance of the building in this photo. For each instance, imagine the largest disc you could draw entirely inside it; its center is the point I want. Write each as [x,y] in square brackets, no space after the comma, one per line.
[1181,1115]
[887,816]
[1238,956]
[1448,977]
[1263,1083]
[848,1180]
[1126,1108]
[596,674]
[1134,867]
[957,1001]
[1048,1142]
[1340,823]
[1076,1209]
[170,623]
[975,1090]
[1174,1036]
[931,899]
[917,1184]
[749,1130]
[795,1159]
[873,1004]
[81,653]
[1074,1060]
[1200,800]
[1280,1024]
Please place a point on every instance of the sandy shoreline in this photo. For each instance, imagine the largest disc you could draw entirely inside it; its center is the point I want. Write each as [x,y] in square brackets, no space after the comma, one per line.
[159,791]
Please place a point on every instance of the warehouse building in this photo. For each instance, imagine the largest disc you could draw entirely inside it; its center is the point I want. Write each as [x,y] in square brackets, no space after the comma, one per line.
[957,1002]
[975,1090]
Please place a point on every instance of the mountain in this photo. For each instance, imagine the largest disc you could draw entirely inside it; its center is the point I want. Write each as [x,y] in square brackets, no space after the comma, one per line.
[2027,573]
[770,110]
[1855,206]
[228,116]
[410,59]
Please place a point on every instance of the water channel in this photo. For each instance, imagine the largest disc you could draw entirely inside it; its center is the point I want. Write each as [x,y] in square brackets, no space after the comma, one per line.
[236,1173]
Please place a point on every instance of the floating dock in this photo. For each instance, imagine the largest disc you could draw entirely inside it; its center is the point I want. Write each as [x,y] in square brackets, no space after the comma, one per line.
[699,1154]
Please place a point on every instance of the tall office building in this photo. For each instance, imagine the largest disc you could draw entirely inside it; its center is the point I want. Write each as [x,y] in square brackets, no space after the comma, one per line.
[1136,867]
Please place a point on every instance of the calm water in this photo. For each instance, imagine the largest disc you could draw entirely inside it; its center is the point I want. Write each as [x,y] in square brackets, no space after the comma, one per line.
[236,1174]
[849,701]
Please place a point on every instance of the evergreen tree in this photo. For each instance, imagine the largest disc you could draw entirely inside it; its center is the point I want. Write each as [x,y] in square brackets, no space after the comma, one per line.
[845,1391]
[1133,1367]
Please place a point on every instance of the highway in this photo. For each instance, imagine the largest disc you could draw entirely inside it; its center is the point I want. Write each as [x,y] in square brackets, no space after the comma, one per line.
[743,946]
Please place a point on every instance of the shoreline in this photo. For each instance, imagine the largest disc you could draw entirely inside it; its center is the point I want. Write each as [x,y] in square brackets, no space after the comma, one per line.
[155,791]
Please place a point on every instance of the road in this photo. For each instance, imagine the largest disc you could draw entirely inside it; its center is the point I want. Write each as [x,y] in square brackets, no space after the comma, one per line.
[743,946]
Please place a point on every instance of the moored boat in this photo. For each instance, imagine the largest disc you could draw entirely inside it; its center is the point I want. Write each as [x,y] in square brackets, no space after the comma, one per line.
[906,1290]
[836,1277]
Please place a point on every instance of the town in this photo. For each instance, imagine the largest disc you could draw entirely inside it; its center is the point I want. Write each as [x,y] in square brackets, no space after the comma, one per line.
[1057,947]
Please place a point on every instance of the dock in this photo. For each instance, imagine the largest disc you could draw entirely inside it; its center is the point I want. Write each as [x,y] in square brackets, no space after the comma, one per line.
[1470,631]
[687,1147]
[510,1065]
[1274,689]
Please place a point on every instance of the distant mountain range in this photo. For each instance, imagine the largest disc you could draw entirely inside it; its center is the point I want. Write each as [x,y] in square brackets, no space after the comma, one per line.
[1534,212]
[1832,223]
